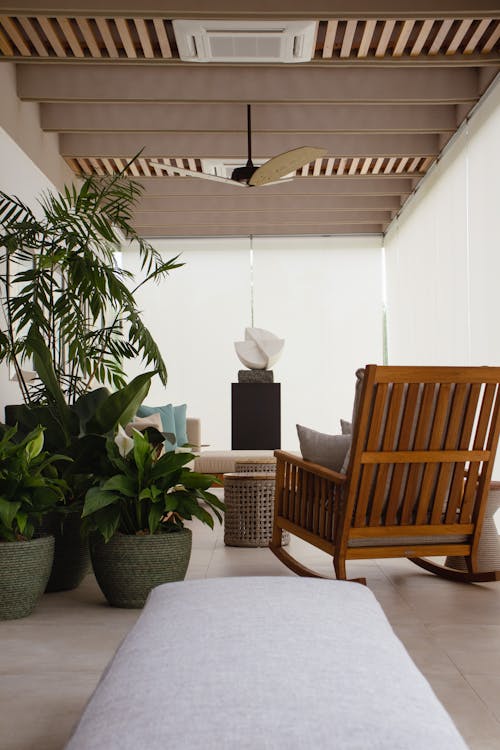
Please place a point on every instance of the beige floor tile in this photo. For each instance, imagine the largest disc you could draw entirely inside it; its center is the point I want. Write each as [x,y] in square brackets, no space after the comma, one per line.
[427,654]
[79,647]
[488,689]
[474,649]
[474,720]
[39,710]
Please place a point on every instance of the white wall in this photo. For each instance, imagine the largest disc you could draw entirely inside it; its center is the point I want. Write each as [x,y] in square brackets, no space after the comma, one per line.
[20,175]
[21,121]
[322,295]
[443,255]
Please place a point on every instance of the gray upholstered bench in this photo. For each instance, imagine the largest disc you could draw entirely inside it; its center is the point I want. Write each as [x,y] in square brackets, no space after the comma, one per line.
[255,663]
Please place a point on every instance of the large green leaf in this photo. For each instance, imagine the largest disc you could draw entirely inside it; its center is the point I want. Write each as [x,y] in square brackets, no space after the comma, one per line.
[85,407]
[34,445]
[195,480]
[8,511]
[42,361]
[154,517]
[122,485]
[28,417]
[107,521]
[121,406]
[96,499]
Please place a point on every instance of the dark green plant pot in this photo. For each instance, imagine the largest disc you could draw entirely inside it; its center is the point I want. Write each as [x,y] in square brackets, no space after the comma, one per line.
[128,567]
[24,572]
[71,552]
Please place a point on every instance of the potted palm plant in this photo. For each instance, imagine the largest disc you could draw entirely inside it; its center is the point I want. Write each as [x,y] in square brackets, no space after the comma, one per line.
[71,318]
[29,489]
[135,513]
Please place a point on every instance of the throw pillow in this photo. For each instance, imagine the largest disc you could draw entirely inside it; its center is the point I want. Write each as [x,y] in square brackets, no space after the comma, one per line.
[360,374]
[167,421]
[140,423]
[180,424]
[327,450]
[346,427]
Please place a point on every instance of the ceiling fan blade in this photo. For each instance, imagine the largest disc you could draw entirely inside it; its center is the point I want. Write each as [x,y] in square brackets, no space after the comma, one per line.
[193,173]
[283,164]
[277,182]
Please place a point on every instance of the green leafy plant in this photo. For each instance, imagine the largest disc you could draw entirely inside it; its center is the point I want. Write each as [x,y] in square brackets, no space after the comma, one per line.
[79,431]
[61,289]
[145,492]
[30,487]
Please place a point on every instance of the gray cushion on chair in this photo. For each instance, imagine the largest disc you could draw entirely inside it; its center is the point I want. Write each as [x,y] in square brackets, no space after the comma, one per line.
[321,448]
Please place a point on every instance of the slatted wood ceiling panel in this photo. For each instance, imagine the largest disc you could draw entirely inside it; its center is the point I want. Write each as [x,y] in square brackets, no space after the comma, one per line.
[319,168]
[153,38]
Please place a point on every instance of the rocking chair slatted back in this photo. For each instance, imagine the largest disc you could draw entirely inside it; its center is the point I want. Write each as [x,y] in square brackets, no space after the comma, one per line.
[423,446]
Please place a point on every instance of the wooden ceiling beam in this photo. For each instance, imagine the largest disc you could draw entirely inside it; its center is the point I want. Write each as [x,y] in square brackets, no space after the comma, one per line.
[166,187]
[260,218]
[275,230]
[259,200]
[233,145]
[193,117]
[129,83]
[258,8]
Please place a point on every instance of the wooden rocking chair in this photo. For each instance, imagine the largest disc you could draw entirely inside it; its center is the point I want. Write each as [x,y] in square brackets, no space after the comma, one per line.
[423,446]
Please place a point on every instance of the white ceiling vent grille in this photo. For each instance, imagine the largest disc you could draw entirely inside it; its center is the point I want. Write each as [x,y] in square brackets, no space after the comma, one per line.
[245,41]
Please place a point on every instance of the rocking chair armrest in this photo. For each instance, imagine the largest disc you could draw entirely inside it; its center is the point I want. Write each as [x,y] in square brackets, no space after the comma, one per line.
[309,466]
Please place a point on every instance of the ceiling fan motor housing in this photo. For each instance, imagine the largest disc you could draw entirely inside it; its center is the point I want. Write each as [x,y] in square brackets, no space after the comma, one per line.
[243,174]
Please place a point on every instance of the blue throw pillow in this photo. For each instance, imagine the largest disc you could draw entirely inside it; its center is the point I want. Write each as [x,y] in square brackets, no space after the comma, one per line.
[180,424]
[167,421]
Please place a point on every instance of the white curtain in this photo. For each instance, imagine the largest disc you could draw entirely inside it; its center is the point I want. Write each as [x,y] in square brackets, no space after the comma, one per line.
[443,255]
[322,295]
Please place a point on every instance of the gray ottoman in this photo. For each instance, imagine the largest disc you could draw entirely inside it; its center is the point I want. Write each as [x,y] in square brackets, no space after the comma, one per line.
[272,663]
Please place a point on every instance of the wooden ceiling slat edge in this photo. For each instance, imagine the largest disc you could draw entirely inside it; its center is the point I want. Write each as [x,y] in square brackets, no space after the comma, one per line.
[404,35]
[107,37]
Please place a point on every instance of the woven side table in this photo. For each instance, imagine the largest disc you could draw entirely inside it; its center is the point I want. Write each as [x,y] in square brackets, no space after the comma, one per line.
[488,553]
[249,499]
[249,465]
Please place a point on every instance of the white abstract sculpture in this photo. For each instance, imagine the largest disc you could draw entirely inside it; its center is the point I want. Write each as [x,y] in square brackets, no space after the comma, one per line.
[260,350]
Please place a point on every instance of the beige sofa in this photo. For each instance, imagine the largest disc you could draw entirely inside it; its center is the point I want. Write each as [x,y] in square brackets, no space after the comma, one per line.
[216,462]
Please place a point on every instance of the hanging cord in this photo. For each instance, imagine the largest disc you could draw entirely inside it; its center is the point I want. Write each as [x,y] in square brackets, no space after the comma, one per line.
[251,282]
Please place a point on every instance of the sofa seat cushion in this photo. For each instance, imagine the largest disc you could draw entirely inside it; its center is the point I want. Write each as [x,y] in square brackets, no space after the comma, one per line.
[223,462]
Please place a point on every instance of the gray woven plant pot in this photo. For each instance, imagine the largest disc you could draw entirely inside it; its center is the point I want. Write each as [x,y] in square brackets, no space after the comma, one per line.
[71,552]
[128,567]
[24,572]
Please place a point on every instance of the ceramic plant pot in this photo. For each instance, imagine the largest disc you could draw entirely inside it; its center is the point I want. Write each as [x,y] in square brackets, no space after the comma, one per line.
[24,571]
[128,566]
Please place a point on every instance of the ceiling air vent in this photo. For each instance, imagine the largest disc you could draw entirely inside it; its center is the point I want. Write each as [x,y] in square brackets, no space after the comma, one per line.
[245,41]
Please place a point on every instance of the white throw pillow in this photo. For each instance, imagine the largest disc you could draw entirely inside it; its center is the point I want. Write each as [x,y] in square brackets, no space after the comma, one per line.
[141,423]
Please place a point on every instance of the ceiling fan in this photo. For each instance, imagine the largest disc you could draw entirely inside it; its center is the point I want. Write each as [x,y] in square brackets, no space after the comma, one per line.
[271,172]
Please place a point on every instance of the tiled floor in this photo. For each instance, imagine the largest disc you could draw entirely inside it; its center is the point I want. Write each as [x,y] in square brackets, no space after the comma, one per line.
[51,661]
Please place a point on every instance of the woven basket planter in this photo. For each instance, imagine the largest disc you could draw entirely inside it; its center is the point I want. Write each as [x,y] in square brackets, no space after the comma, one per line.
[129,566]
[24,571]
[71,552]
